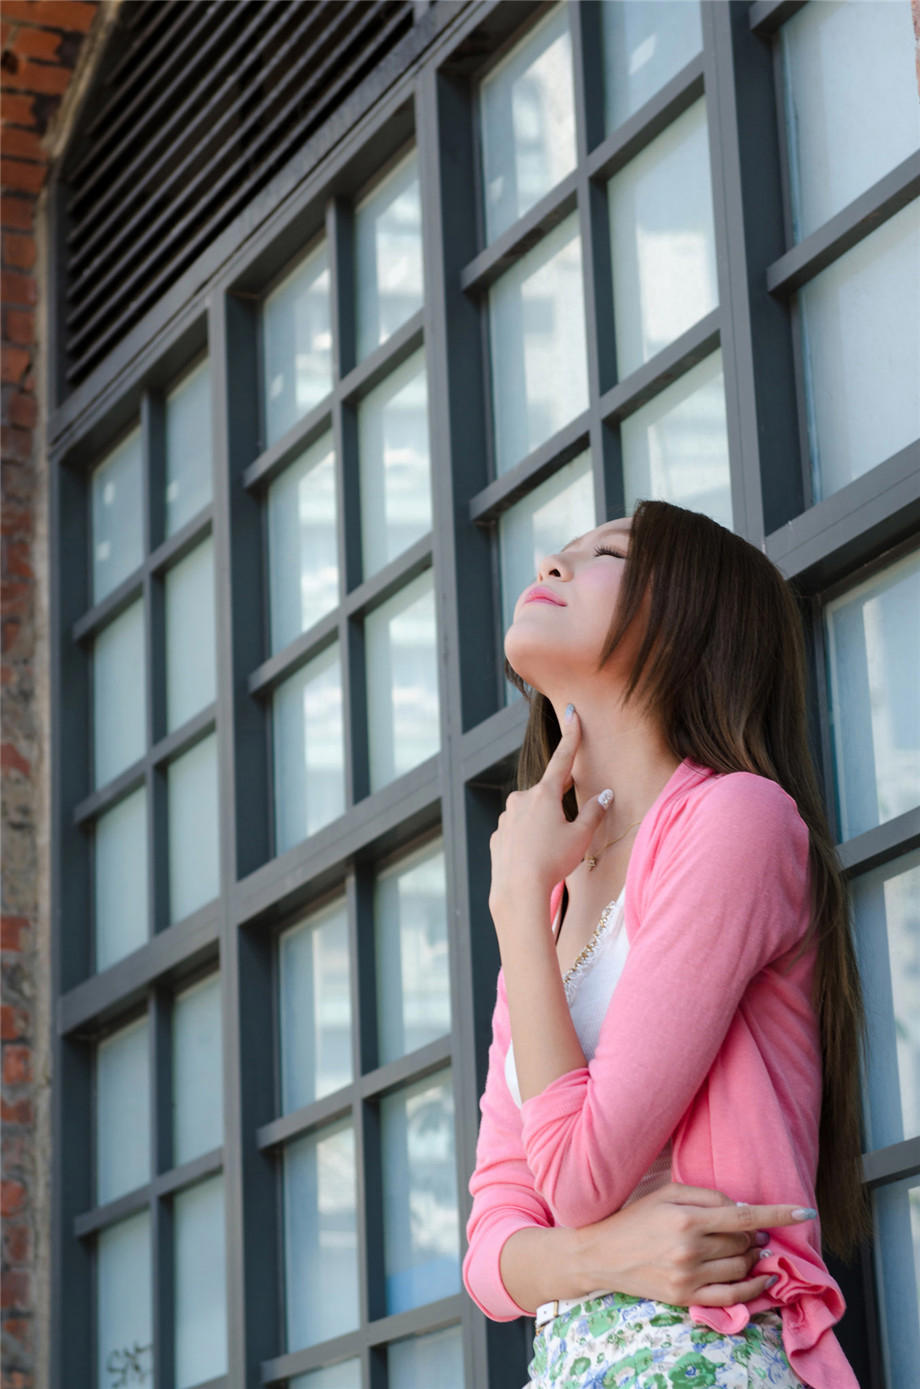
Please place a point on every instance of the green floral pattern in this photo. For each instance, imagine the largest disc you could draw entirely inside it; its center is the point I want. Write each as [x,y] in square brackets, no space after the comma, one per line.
[620,1342]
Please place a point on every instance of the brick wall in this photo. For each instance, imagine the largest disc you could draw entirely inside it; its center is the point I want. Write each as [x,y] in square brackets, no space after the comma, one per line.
[41,41]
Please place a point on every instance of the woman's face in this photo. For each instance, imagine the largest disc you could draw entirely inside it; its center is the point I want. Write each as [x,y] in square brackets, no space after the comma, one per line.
[561,621]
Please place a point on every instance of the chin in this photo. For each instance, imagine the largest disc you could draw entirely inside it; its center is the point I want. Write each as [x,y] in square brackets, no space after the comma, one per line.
[526,657]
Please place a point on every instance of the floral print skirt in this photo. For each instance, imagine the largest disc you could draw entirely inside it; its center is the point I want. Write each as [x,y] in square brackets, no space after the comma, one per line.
[620,1342]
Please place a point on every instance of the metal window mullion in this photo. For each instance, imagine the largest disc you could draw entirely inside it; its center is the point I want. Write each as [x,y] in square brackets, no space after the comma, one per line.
[161,1152]
[359,908]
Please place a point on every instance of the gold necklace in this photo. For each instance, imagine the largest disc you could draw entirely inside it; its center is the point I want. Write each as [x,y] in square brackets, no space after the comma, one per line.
[591,859]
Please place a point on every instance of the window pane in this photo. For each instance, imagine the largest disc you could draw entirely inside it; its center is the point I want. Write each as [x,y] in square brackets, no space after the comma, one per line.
[309,749]
[122,1112]
[539,357]
[886,908]
[662,241]
[644,47]
[194,875]
[862,353]
[197,1073]
[676,448]
[303,553]
[121,879]
[388,255]
[851,102]
[402,681]
[201,1290]
[346,1375]
[320,1236]
[874,675]
[191,679]
[413,984]
[118,516]
[897,1256]
[420,1222]
[393,452]
[188,447]
[119,694]
[422,1361]
[125,1304]
[296,345]
[527,114]
[315,982]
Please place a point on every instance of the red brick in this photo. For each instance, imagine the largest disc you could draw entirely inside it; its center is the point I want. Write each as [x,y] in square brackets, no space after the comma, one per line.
[31,42]
[20,176]
[14,932]
[19,326]
[12,760]
[16,108]
[14,362]
[18,1113]
[16,560]
[20,1331]
[17,289]
[17,252]
[23,410]
[9,633]
[41,78]
[17,1065]
[74,15]
[16,1290]
[23,144]
[17,211]
[16,444]
[17,1243]
[15,598]
[13,1197]
[15,1022]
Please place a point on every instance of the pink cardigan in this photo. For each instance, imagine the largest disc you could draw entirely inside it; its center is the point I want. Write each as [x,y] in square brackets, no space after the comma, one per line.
[710,1040]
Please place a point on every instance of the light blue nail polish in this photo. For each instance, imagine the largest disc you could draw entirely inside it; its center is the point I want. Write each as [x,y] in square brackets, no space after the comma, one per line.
[804,1213]
[569,711]
[771,1281]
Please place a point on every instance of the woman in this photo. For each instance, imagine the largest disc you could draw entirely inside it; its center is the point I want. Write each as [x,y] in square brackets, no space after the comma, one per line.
[678,996]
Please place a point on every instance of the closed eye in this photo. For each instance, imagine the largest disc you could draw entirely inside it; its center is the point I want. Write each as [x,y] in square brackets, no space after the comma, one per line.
[605,550]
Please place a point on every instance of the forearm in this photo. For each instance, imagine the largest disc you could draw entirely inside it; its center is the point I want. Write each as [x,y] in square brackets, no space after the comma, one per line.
[539,1265]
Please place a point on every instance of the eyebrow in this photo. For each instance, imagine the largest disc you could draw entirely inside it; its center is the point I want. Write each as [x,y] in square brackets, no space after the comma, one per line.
[613,531]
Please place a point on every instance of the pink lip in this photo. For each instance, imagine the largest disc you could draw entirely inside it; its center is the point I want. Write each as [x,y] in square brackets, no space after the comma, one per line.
[543,595]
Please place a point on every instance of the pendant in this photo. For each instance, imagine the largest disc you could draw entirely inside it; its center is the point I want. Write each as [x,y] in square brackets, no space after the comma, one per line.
[591,861]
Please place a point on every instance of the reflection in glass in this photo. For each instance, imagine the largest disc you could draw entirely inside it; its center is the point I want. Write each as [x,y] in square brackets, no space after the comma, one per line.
[554,513]
[303,554]
[644,47]
[402,681]
[861,337]
[527,115]
[201,1283]
[539,357]
[119,694]
[345,1375]
[897,1260]
[388,255]
[188,447]
[118,515]
[393,454]
[320,1236]
[874,675]
[296,345]
[851,102]
[194,875]
[315,985]
[418,1362]
[124,1312]
[675,447]
[420,1220]
[197,1072]
[122,1112]
[191,660]
[309,751]
[120,863]
[413,984]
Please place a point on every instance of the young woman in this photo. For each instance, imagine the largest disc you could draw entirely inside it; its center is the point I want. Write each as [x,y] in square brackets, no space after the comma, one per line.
[678,996]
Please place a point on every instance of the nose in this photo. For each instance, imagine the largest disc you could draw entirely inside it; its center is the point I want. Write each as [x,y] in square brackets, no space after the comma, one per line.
[552,567]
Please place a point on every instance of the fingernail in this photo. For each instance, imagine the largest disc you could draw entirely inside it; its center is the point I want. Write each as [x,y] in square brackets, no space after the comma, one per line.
[761,1237]
[605,798]
[569,711]
[804,1213]
[765,1254]
[771,1281]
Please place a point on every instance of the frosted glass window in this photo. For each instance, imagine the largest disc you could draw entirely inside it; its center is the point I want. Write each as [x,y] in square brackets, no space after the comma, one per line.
[191,662]
[201,1283]
[675,447]
[897,1260]
[662,241]
[421,1361]
[315,983]
[861,331]
[188,447]
[122,1112]
[539,357]
[309,749]
[120,865]
[296,344]
[886,909]
[388,255]
[540,524]
[197,1071]
[320,1236]
[194,873]
[345,1375]
[851,102]
[527,115]
[118,516]
[410,923]
[303,552]
[420,1219]
[644,47]
[402,681]
[119,694]
[874,675]
[124,1313]
[394,464]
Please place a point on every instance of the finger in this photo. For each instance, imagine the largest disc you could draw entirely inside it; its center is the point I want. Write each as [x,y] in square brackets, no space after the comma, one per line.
[725,1294]
[743,1217]
[682,1195]
[558,772]
[726,1270]
[729,1246]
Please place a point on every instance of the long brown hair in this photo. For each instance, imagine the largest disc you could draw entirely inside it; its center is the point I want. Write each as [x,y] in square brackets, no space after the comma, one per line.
[721,668]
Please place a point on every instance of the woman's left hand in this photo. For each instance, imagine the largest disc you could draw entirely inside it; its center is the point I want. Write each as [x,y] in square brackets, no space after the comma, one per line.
[535,846]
